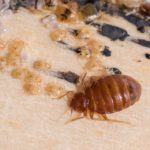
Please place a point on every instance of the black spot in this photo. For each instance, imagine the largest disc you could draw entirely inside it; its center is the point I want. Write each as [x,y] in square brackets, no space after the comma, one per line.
[75,49]
[88,21]
[105,7]
[137,21]
[106,52]
[68,76]
[142,42]
[75,32]
[115,70]
[62,42]
[96,25]
[66,14]
[16,4]
[113,32]
[147,55]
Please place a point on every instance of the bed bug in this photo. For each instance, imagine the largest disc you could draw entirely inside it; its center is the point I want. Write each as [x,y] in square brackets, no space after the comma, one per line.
[108,94]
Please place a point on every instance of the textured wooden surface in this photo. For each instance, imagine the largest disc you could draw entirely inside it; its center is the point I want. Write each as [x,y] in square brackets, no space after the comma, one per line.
[36,122]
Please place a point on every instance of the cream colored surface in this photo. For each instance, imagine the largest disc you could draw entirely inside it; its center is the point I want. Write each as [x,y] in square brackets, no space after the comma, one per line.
[37,122]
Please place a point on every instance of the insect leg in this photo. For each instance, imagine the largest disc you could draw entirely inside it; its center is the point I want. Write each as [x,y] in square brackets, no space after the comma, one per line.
[113,120]
[74,118]
[83,79]
[91,115]
[104,116]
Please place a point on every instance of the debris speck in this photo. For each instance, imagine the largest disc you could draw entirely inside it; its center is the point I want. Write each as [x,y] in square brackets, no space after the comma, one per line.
[74,32]
[137,21]
[106,52]
[113,32]
[142,42]
[96,25]
[68,76]
[147,55]
[115,70]
[75,49]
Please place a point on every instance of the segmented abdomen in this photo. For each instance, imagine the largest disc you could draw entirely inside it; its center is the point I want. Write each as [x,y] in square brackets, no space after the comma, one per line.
[111,93]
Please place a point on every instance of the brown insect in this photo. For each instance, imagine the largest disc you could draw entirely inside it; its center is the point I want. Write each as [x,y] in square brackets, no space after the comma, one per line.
[145,9]
[108,94]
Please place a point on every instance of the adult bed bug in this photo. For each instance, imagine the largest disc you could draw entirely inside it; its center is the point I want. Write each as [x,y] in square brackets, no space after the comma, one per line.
[106,95]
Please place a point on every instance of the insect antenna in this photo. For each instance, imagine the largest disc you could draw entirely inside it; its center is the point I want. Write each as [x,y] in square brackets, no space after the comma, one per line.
[104,117]
[83,79]
[61,96]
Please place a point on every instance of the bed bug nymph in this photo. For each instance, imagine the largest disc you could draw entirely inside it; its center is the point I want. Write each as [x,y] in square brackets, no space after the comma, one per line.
[108,94]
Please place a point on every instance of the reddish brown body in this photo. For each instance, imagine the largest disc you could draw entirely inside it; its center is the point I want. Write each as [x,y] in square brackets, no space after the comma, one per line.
[109,94]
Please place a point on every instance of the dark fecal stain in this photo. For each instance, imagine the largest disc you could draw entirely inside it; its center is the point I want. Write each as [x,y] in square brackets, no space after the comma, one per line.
[75,49]
[66,14]
[147,55]
[62,42]
[88,21]
[96,25]
[142,42]
[115,70]
[113,32]
[106,52]
[137,21]
[16,4]
[68,76]
[74,32]
[68,46]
